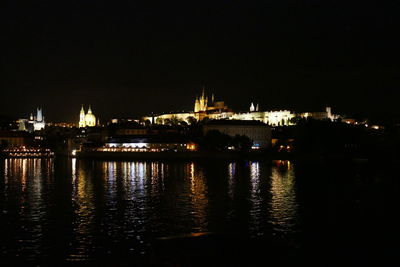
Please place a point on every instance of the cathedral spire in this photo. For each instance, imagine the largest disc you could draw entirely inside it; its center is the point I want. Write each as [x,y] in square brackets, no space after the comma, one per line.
[252,107]
[196,104]
[39,114]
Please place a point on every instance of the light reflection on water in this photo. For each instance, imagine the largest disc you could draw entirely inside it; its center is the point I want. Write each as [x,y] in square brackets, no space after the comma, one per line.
[283,204]
[117,208]
[84,212]
[24,186]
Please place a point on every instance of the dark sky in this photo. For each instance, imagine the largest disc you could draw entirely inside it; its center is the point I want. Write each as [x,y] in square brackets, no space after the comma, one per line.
[129,58]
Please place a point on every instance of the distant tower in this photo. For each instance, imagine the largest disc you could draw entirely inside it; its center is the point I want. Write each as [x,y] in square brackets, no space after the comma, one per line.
[203,101]
[196,105]
[82,118]
[39,114]
[39,123]
[252,109]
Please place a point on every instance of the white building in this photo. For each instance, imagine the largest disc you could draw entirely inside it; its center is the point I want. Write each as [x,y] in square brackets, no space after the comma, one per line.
[273,118]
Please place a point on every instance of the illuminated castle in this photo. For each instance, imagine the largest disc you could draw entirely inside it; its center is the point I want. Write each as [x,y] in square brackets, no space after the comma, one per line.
[88,119]
[203,108]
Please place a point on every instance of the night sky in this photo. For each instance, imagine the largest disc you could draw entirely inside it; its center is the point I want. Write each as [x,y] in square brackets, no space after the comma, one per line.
[130,58]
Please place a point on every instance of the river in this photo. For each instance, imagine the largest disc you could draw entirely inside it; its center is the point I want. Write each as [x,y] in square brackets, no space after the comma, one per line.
[70,211]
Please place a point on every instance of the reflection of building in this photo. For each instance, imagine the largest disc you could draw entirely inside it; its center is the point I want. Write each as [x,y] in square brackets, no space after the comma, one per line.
[283,206]
[88,119]
[258,132]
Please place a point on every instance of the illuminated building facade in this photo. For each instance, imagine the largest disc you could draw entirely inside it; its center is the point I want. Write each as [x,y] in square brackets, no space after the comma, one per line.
[273,118]
[217,110]
[88,119]
[147,144]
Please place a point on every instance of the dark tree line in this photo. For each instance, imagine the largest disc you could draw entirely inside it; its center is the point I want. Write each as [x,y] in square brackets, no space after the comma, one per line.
[216,141]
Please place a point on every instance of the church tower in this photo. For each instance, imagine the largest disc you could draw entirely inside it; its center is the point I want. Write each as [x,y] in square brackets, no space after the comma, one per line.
[39,115]
[252,109]
[39,123]
[203,101]
[82,118]
[196,105]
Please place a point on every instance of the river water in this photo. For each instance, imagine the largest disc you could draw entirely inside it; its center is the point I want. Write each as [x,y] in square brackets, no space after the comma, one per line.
[70,211]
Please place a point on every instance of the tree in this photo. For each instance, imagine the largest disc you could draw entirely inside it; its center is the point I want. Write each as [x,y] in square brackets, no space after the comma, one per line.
[159,121]
[183,123]
[215,140]
[191,120]
[174,121]
[242,142]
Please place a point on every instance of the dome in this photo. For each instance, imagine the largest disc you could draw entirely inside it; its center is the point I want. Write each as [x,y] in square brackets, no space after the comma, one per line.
[90,119]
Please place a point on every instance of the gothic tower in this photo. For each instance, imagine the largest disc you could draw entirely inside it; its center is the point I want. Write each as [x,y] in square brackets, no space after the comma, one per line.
[39,123]
[196,105]
[39,115]
[252,107]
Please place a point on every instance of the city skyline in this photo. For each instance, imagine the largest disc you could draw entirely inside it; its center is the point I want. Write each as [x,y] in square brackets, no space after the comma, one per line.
[216,105]
[131,59]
